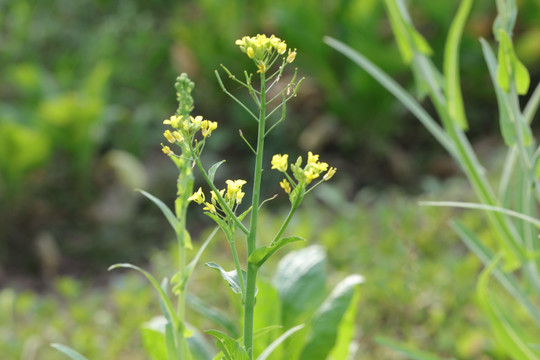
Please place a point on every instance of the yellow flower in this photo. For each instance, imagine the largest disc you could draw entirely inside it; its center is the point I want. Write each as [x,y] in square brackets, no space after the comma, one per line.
[177,136]
[209,207]
[250,53]
[310,175]
[207,127]
[234,190]
[329,174]
[169,136]
[262,67]
[285,186]
[173,121]
[196,122]
[279,162]
[291,56]
[197,196]
[166,150]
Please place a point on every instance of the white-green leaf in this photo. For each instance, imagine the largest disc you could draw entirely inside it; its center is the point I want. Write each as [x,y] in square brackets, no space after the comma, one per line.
[326,322]
[153,338]
[300,280]
[68,351]
[231,277]
[213,169]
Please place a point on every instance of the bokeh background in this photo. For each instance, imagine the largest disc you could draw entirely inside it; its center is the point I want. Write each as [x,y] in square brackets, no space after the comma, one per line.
[84,87]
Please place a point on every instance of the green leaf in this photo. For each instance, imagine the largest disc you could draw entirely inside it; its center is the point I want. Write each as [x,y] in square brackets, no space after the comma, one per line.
[521,75]
[273,346]
[68,351]
[345,331]
[508,130]
[504,68]
[260,255]
[451,66]
[328,318]
[267,312]
[153,338]
[408,351]
[199,347]
[510,68]
[300,281]
[213,169]
[175,224]
[400,31]
[509,336]
[168,307]
[231,348]
[231,277]
[212,313]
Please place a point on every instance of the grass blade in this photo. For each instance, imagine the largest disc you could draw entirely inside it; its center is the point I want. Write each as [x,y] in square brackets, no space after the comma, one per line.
[266,353]
[393,87]
[408,351]
[508,335]
[68,351]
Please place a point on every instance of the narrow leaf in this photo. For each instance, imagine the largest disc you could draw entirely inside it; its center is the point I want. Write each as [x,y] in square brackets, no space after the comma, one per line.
[507,280]
[195,260]
[273,346]
[169,309]
[68,351]
[508,335]
[326,321]
[451,66]
[260,255]
[231,348]
[212,313]
[408,351]
[175,224]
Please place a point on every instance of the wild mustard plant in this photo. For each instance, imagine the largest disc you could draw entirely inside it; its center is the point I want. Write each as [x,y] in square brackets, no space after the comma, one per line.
[170,336]
[512,210]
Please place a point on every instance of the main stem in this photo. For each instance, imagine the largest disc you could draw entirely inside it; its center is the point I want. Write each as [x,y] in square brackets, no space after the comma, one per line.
[249,305]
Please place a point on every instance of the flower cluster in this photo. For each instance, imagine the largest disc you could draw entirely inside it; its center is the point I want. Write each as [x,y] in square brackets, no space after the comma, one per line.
[233,196]
[302,175]
[264,50]
[184,130]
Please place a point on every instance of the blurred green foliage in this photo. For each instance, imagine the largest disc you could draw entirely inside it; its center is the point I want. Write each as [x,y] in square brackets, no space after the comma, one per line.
[419,286]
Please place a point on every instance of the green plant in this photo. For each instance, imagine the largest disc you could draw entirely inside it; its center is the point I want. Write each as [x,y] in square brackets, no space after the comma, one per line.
[300,282]
[513,256]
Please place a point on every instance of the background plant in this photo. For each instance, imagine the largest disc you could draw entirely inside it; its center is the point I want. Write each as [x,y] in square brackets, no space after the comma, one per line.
[516,240]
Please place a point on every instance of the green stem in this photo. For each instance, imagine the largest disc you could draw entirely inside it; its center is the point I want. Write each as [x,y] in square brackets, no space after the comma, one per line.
[285,223]
[238,268]
[249,305]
